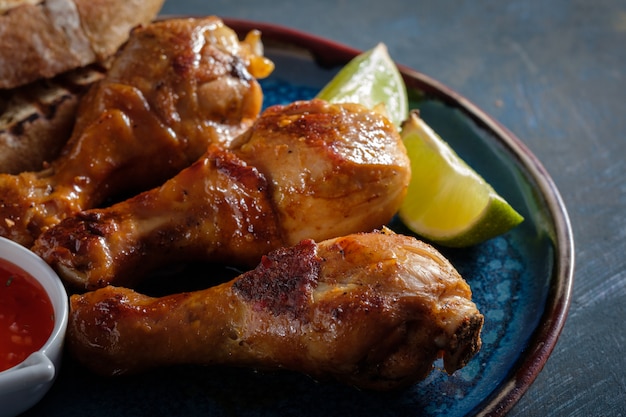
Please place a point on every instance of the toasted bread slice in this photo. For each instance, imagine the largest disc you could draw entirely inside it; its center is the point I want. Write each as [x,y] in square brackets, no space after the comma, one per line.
[41,39]
[36,119]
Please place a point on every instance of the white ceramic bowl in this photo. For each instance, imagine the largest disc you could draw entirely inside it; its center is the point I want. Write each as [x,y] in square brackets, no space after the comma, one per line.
[23,385]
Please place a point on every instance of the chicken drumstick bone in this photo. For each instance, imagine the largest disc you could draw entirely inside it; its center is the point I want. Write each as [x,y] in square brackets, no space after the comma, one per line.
[373,310]
[175,87]
[306,170]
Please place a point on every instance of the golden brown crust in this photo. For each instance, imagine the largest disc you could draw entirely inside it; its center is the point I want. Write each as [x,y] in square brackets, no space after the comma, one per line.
[45,39]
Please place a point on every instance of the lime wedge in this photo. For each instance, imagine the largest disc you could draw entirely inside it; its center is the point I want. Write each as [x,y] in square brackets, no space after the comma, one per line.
[373,80]
[447,201]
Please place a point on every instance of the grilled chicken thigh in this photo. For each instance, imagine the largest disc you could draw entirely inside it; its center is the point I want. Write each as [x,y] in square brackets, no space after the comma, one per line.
[373,310]
[176,86]
[305,170]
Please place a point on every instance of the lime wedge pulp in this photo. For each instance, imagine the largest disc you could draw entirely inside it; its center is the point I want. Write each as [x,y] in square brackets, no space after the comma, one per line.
[447,201]
[371,79]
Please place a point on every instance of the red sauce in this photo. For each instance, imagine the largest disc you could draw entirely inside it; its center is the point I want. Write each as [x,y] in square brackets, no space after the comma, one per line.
[26,315]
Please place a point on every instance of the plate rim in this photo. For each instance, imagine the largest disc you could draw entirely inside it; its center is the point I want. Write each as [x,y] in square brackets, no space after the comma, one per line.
[329,53]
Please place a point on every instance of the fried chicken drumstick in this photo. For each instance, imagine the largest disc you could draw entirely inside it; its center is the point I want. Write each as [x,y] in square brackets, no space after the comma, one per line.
[175,87]
[305,170]
[373,310]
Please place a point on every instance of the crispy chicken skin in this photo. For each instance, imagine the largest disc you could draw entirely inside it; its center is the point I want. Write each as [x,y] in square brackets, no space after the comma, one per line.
[305,170]
[175,87]
[373,310]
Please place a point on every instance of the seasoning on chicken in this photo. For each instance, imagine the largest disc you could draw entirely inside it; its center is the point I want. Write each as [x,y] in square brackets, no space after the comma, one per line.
[373,310]
[176,86]
[305,170]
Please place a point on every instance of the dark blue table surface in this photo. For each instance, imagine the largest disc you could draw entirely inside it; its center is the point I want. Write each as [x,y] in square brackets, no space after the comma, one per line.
[554,73]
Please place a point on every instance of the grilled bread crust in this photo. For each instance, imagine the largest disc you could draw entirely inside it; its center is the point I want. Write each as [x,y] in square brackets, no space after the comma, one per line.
[45,38]
[37,119]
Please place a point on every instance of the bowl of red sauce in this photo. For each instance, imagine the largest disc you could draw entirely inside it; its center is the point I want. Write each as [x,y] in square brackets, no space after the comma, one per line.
[33,321]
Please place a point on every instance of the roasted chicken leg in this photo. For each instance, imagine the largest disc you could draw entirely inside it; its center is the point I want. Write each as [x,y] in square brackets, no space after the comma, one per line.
[306,170]
[176,86]
[374,310]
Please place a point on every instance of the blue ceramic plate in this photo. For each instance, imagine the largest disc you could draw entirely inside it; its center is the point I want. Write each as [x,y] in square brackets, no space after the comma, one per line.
[521,282]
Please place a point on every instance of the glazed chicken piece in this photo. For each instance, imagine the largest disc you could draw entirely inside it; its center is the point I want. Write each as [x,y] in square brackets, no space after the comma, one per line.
[176,86]
[373,310]
[306,170]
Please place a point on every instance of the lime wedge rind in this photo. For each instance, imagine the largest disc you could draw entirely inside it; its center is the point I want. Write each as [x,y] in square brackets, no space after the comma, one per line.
[447,201]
